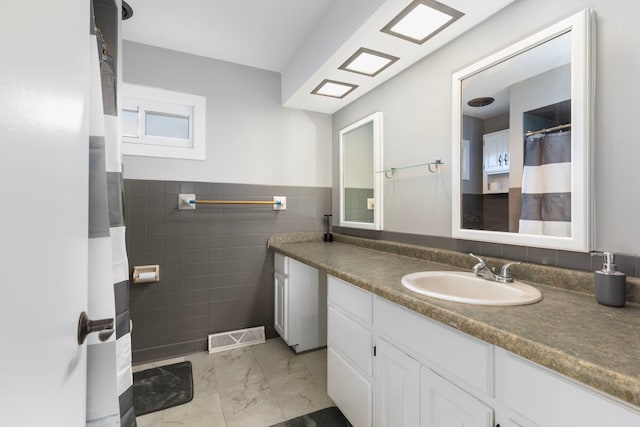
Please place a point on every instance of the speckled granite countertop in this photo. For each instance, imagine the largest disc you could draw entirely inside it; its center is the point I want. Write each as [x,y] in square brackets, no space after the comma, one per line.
[567,331]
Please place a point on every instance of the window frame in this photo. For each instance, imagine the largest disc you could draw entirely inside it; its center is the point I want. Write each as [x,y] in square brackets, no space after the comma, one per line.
[144,100]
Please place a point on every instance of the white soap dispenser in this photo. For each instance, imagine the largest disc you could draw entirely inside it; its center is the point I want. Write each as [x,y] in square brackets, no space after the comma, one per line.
[611,284]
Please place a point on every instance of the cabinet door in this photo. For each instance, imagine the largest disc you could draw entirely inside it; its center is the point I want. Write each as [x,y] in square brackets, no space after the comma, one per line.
[306,307]
[351,392]
[280,305]
[490,151]
[397,387]
[496,152]
[442,404]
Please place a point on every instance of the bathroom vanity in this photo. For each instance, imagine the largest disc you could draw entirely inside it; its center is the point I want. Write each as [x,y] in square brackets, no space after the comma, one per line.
[396,358]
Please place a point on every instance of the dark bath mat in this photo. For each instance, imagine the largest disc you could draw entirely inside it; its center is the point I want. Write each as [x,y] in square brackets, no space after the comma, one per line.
[329,417]
[163,387]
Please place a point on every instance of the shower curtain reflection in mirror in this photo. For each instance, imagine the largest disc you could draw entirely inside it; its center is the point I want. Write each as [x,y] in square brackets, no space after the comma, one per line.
[546,185]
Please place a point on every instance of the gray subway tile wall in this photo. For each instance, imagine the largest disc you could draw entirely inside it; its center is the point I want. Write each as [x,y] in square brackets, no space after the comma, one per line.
[216,274]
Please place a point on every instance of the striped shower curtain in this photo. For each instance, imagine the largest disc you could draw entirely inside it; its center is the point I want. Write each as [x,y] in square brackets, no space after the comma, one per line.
[109,377]
[546,185]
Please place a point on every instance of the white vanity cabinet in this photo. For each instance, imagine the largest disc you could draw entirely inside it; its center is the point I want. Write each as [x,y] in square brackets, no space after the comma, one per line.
[388,366]
[350,351]
[300,312]
[495,173]
[421,378]
[380,364]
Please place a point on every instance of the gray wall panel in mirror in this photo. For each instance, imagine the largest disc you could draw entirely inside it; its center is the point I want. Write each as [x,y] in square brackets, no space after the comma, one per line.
[360,182]
[544,82]
[417,111]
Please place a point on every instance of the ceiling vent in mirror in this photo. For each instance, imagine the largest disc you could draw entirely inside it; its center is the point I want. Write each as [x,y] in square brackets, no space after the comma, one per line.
[421,20]
[480,102]
[127,11]
[368,62]
[334,89]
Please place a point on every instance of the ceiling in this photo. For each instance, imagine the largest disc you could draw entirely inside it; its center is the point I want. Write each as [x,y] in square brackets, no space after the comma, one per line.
[257,33]
[303,40]
[497,80]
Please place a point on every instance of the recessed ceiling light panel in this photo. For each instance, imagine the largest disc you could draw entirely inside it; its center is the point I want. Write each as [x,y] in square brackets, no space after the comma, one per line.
[334,89]
[368,62]
[421,20]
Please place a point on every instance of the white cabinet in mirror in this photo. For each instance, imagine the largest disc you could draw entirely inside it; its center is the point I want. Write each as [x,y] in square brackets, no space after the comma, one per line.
[521,137]
[360,179]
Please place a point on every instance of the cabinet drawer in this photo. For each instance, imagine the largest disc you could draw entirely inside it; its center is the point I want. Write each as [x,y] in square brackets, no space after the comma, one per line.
[281,263]
[351,340]
[351,392]
[546,398]
[463,359]
[351,299]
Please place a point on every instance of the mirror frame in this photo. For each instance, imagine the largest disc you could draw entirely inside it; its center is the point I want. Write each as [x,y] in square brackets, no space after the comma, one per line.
[581,25]
[376,119]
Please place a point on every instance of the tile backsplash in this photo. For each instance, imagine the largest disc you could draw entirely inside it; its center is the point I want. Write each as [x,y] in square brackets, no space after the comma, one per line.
[216,274]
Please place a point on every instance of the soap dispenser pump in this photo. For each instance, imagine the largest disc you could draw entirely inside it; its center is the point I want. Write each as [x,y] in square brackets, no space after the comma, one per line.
[611,284]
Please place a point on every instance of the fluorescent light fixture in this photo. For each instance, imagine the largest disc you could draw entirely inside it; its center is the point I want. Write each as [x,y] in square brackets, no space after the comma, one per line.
[421,20]
[334,89]
[368,62]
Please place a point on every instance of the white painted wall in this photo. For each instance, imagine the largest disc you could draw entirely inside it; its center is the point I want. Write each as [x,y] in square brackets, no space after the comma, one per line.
[417,120]
[251,138]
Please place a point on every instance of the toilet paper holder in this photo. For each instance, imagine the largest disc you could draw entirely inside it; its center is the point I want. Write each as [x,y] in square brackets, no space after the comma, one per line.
[146,273]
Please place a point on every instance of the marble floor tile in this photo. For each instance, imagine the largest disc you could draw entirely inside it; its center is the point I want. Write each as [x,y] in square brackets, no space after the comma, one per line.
[299,393]
[246,377]
[232,359]
[256,386]
[204,377]
[316,363]
[196,421]
[242,402]
[276,358]
[262,419]
[153,419]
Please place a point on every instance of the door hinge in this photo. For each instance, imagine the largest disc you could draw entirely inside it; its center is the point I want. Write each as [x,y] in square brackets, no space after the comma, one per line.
[374,351]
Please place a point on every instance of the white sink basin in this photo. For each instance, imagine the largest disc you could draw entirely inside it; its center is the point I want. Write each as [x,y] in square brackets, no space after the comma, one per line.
[469,288]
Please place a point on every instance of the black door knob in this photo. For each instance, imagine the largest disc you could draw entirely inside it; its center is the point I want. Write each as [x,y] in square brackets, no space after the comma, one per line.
[87,326]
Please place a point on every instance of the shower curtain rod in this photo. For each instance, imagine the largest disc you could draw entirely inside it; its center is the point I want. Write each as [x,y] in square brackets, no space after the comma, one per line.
[547,130]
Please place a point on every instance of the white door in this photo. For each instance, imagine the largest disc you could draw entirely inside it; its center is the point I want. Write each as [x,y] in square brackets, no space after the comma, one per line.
[397,387]
[442,404]
[44,65]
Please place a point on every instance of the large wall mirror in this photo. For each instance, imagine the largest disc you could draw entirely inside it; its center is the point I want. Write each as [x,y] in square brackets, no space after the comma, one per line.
[522,129]
[360,180]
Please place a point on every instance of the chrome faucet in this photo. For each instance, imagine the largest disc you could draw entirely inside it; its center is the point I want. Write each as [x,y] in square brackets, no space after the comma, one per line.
[489,273]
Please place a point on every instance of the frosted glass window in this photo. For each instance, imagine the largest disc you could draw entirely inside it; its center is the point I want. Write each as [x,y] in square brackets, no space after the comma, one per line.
[162,123]
[130,123]
[166,125]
